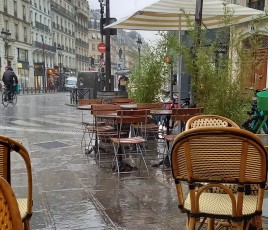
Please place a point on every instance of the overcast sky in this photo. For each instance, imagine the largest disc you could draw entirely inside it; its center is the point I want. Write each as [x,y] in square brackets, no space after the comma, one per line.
[122,8]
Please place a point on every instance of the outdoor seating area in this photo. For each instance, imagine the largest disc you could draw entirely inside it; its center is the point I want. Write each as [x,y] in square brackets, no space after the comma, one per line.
[209,152]
[211,160]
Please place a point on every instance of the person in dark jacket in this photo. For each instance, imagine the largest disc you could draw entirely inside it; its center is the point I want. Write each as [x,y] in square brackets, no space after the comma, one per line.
[9,78]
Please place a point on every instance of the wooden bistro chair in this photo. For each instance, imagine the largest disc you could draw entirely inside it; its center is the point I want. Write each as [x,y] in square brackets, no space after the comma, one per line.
[103,129]
[153,130]
[87,124]
[126,137]
[9,210]
[178,115]
[199,121]
[7,147]
[215,156]
[119,101]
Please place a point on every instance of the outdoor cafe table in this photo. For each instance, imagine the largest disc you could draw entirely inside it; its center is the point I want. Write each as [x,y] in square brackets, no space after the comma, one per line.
[84,107]
[128,106]
[163,112]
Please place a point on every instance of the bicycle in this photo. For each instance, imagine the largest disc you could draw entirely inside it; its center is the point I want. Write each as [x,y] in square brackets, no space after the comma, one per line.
[258,122]
[9,97]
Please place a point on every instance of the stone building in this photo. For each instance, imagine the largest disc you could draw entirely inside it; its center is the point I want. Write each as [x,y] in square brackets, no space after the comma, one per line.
[81,33]
[15,42]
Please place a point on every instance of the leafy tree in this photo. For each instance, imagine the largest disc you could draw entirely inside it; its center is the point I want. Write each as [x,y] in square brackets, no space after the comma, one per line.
[220,69]
[149,73]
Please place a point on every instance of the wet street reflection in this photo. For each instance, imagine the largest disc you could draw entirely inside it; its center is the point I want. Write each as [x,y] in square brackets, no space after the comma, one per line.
[69,190]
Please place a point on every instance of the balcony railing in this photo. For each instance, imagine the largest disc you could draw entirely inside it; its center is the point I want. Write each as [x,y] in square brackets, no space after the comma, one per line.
[81,42]
[41,26]
[82,12]
[47,47]
[258,5]
[61,10]
[82,58]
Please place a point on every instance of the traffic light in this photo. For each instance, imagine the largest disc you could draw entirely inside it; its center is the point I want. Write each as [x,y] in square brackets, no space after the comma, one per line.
[168,60]
[174,82]
[103,24]
[92,61]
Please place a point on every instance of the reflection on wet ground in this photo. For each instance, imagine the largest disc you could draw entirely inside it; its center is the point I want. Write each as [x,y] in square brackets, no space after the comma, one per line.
[70,192]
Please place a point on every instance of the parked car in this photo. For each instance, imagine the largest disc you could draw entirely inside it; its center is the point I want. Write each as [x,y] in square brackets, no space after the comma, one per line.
[70,83]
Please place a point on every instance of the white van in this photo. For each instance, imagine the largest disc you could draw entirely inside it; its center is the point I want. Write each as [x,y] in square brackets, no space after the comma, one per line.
[70,83]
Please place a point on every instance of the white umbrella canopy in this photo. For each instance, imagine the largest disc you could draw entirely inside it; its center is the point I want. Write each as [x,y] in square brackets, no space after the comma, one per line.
[164,15]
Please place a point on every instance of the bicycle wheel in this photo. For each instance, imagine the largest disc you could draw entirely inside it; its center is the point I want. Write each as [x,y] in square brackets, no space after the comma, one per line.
[5,98]
[14,99]
[250,124]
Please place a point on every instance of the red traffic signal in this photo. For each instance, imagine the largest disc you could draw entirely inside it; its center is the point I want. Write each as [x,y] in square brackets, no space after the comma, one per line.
[168,59]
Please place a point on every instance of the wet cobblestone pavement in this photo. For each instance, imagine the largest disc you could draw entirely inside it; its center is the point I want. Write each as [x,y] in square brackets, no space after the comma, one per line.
[69,191]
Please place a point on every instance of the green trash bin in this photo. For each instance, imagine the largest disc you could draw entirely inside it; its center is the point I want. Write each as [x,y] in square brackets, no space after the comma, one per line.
[262,100]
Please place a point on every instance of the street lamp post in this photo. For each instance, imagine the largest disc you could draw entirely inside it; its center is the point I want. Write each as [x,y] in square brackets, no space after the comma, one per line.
[60,59]
[139,42]
[5,34]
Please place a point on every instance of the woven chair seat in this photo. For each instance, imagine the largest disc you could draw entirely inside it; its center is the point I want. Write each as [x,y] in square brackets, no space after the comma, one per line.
[132,140]
[22,203]
[220,204]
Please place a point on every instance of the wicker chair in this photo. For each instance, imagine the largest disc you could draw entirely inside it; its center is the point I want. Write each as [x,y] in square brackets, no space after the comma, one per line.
[209,121]
[219,155]
[8,146]
[9,211]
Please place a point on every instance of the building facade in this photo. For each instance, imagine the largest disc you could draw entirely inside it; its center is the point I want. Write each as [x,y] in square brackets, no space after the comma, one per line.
[64,35]
[81,33]
[40,37]
[15,42]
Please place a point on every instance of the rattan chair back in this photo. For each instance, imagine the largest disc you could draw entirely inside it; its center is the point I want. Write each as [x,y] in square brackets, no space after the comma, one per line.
[9,210]
[7,147]
[209,121]
[218,155]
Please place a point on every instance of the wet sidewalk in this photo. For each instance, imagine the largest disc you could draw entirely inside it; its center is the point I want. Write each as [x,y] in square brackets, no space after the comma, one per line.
[70,191]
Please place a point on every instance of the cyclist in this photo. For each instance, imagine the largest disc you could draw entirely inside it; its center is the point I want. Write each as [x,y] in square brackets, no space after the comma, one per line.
[9,77]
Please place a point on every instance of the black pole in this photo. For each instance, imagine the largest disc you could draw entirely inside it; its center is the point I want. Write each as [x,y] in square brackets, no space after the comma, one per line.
[171,81]
[102,56]
[108,50]
[198,22]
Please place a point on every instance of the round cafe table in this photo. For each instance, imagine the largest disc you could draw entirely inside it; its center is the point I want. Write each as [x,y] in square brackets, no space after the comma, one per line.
[128,106]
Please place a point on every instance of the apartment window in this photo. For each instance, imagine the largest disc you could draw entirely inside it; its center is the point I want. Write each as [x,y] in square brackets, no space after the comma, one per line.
[93,47]
[24,12]
[17,31]
[25,34]
[6,25]
[15,8]
[5,6]
[22,54]
[256,4]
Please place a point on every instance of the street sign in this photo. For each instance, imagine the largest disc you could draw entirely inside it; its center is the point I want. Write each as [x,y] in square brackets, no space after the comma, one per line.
[102,47]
